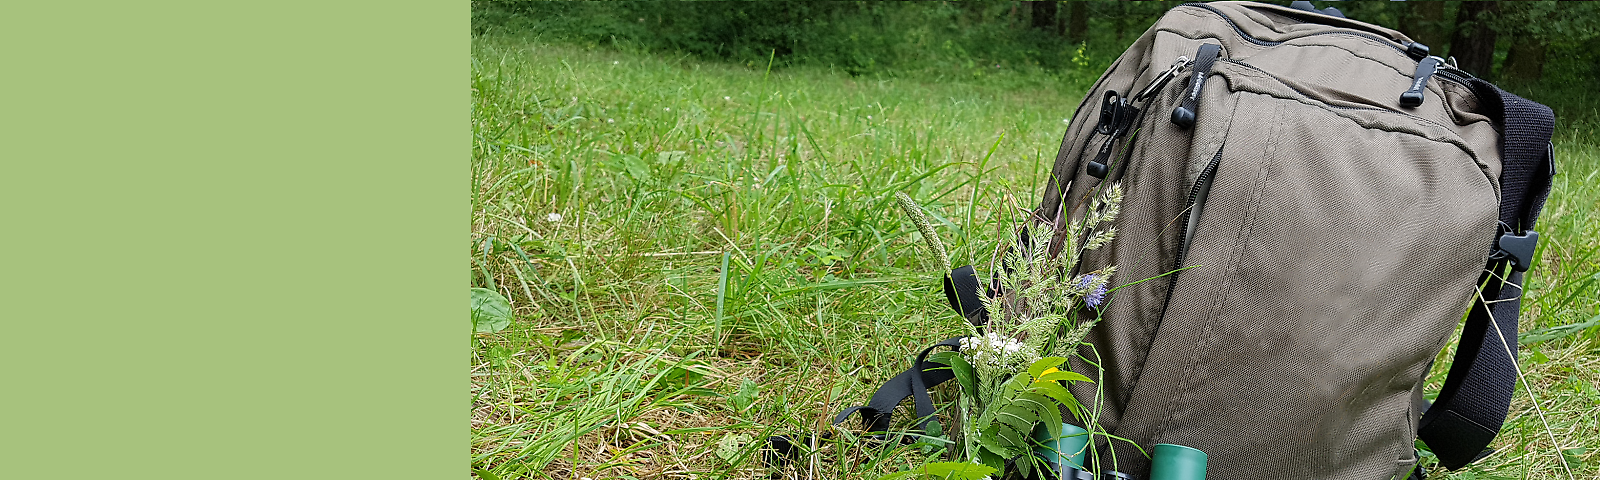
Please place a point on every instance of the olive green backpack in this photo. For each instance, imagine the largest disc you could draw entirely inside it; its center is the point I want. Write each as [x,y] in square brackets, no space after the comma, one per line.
[1341,199]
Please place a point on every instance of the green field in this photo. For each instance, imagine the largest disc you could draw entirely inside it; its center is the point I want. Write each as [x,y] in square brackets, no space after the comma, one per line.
[699,255]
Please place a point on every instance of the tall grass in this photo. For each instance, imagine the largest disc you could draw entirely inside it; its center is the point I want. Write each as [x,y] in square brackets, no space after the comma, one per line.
[700,254]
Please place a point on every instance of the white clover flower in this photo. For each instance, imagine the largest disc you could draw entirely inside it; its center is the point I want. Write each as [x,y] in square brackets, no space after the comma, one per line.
[727,98]
[552,217]
[614,62]
[669,109]
[610,121]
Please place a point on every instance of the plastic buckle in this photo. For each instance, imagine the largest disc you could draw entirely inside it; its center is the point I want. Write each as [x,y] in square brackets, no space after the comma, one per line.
[1519,248]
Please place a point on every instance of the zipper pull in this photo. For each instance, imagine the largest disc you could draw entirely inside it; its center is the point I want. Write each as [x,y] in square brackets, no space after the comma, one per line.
[1419,82]
[1098,168]
[1204,59]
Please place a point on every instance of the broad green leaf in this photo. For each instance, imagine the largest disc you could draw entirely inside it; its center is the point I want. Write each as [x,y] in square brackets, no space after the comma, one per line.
[955,470]
[942,358]
[731,445]
[992,459]
[1018,419]
[490,311]
[997,449]
[1060,394]
[1037,405]
[1046,363]
[746,396]
[964,375]
[484,474]
[1059,376]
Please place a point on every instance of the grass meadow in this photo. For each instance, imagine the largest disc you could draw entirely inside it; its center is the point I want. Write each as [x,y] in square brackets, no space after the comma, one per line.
[699,255]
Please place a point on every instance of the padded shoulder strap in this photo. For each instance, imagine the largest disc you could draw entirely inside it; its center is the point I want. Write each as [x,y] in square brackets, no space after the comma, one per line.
[1476,396]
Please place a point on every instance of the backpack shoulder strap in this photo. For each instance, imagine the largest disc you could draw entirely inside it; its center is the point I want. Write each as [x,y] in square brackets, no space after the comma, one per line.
[1476,396]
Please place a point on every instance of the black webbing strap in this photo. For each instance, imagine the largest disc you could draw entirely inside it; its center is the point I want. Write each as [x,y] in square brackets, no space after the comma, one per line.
[914,382]
[1476,396]
[961,289]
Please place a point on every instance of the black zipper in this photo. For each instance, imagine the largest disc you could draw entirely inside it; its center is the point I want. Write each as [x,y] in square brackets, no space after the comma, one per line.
[1191,218]
[1462,78]
[1247,37]
[1330,105]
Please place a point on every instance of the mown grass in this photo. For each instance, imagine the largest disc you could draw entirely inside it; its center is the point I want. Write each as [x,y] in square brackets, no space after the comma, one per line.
[700,255]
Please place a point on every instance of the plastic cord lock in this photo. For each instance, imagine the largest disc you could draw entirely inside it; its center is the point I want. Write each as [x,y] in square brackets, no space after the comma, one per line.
[1519,248]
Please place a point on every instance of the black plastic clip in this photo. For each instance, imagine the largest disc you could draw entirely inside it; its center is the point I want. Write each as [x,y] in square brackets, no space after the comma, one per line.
[1518,247]
[1116,117]
[1417,51]
[1110,113]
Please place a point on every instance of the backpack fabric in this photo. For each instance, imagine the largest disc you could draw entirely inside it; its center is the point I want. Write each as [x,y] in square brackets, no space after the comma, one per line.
[1315,203]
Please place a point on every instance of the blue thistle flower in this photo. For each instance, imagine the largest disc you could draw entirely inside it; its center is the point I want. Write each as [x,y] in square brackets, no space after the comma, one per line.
[1095,298]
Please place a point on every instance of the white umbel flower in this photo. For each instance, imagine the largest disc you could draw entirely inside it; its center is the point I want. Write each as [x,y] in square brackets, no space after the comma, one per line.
[997,351]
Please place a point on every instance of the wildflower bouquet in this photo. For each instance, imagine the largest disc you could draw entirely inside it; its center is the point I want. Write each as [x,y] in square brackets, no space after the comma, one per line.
[1012,390]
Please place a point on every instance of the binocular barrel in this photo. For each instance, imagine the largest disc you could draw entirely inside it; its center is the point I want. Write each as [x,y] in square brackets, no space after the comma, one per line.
[1066,453]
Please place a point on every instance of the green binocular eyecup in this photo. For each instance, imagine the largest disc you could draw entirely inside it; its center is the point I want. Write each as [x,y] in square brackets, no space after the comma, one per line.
[1066,455]
[1177,462]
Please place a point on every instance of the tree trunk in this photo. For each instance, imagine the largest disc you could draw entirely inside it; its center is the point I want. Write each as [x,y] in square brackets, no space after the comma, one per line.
[1473,45]
[1424,22]
[1525,61]
[1044,15]
[1077,21]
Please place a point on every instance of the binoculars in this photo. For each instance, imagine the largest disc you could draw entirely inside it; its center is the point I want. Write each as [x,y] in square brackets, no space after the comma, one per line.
[1065,454]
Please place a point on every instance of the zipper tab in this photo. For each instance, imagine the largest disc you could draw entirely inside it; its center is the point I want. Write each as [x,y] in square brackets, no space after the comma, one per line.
[1099,167]
[1204,59]
[1419,82]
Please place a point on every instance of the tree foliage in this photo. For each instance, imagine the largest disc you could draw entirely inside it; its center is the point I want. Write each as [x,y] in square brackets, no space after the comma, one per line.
[1542,49]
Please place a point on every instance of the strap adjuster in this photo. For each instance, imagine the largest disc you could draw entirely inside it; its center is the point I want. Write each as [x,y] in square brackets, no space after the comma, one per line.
[1518,248]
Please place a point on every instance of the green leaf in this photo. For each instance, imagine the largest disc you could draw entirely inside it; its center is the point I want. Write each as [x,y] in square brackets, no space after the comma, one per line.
[900,475]
[1060,394]
[1041,408]
[992,459]
[1062,376]
[954,471]
[747,396]
[731,445]
[484,474]
[1046,363]
[490,311]
[943,358]
[964,375]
